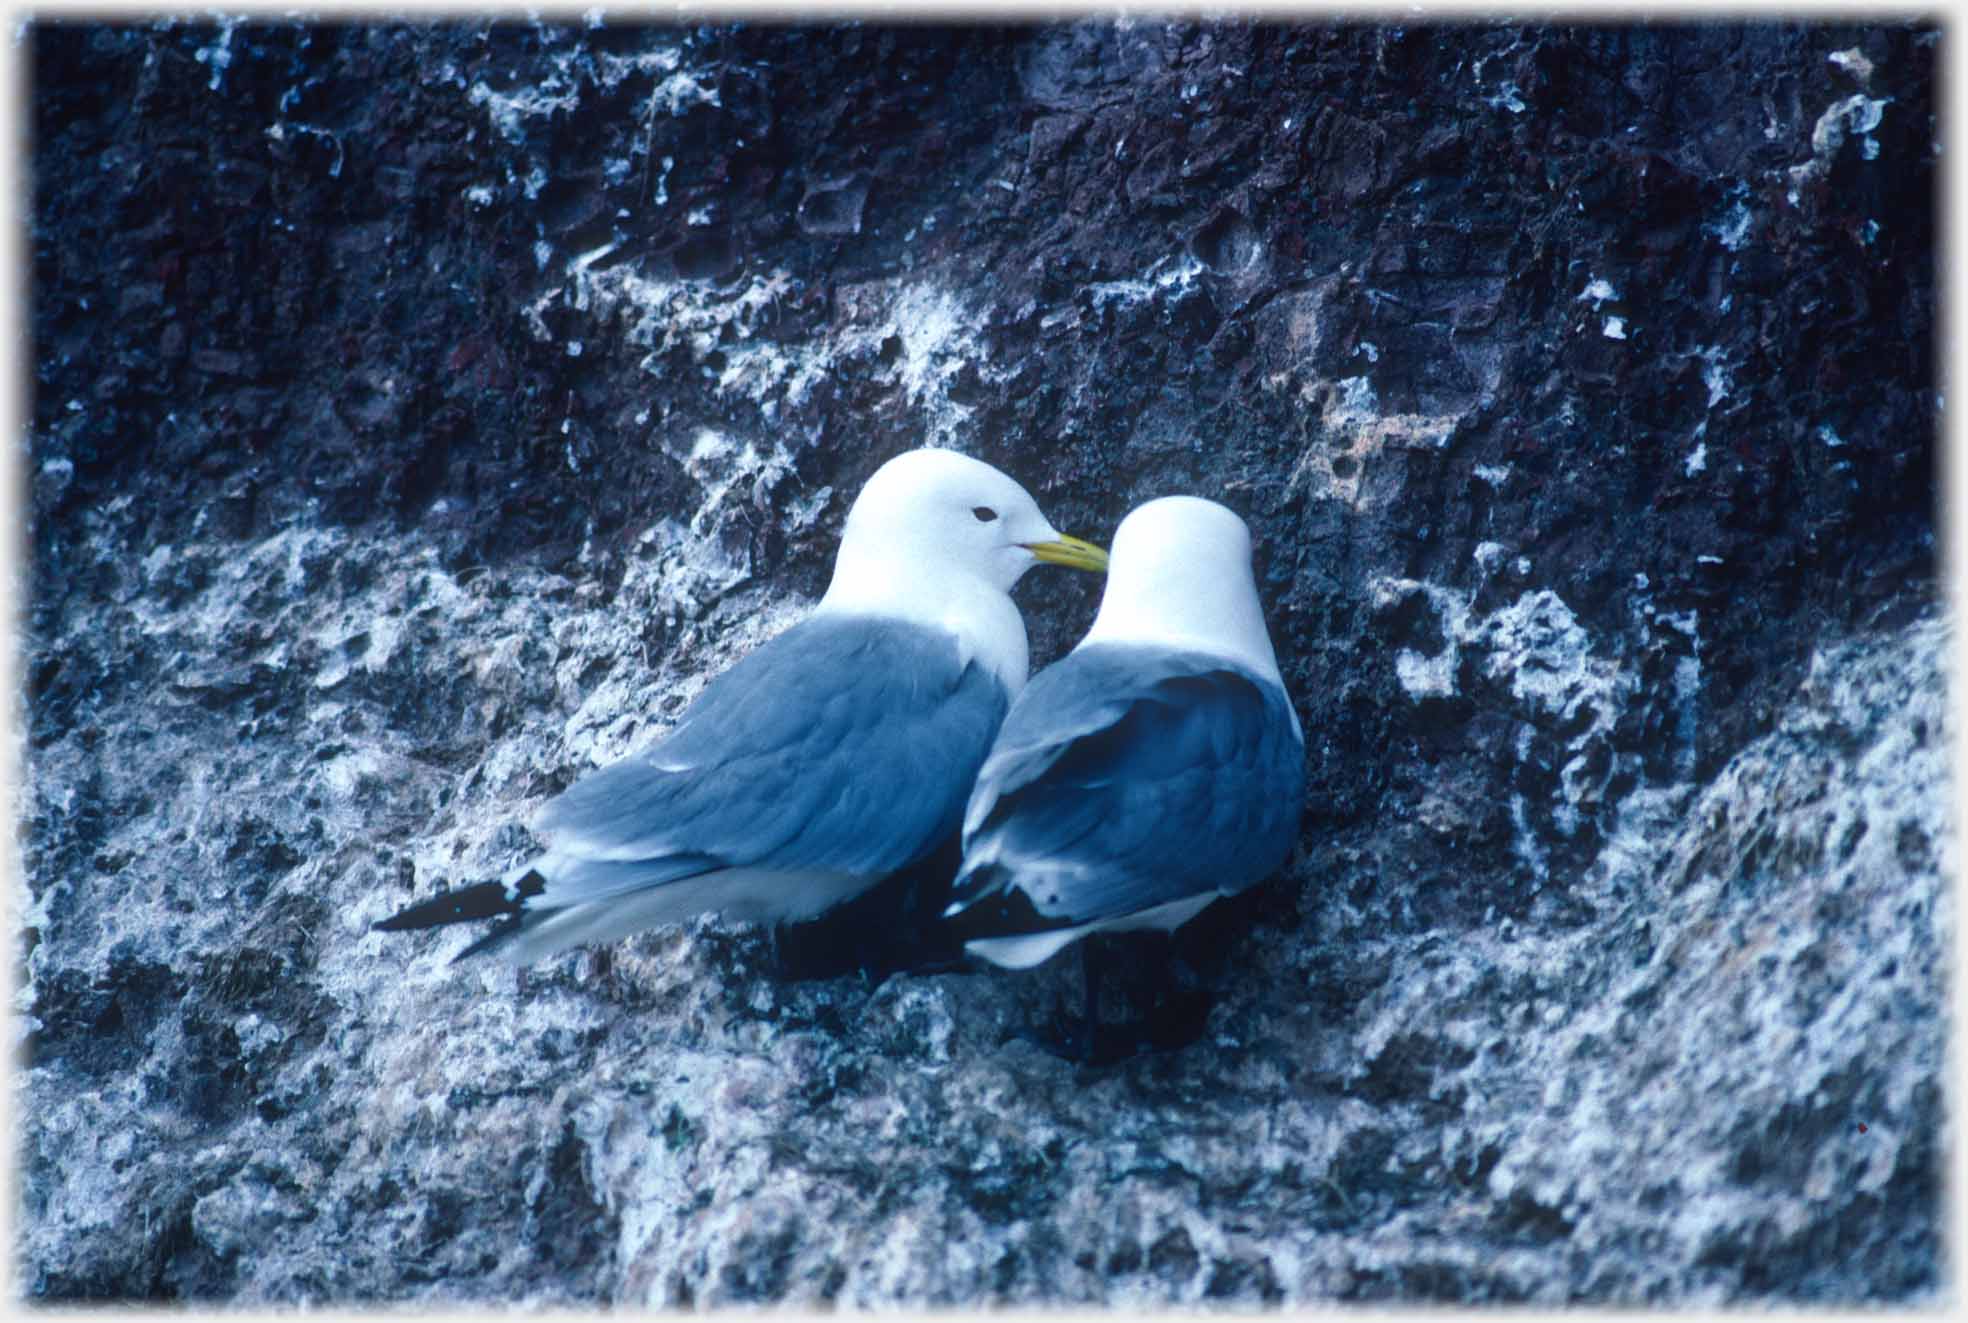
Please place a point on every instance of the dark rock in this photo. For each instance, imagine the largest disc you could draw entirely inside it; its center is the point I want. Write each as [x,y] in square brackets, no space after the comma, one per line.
[834,206]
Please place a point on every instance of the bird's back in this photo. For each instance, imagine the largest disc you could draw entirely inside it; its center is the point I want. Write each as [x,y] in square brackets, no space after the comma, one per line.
[1127,777]
[844,745]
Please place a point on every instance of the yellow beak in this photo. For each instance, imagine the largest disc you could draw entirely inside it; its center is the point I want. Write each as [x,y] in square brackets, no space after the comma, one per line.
[1070,552]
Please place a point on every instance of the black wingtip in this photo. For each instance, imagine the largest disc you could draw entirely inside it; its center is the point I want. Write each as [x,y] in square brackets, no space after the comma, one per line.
[990,904]
[486,900]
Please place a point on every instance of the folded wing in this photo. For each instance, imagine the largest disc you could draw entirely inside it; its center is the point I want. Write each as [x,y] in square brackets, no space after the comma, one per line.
[1128,777]
[844,746]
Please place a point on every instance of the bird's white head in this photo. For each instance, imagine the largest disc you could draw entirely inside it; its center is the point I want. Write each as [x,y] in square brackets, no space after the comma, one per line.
[940,537]
[927,516]
[1181,576]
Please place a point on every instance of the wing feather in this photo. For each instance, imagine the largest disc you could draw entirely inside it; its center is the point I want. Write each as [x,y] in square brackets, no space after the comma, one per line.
[1129,776]
[844,745]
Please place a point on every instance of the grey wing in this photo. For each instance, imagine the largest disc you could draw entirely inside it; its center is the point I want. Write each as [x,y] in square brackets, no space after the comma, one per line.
[1130,778]
[844,745]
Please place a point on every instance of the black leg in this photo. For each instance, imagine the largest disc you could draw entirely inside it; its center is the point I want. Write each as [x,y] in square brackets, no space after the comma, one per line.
[1169,1001]
[1090,998]
[1061,1034]
[1181,1008]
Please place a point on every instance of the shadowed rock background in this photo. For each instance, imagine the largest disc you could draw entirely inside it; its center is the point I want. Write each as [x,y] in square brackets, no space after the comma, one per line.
[420,413]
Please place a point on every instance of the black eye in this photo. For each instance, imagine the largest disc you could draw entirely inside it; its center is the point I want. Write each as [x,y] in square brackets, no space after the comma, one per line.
[985,514]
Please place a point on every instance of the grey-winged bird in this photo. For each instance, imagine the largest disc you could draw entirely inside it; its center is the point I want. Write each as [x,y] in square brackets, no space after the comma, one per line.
[1156,767]
[831,756]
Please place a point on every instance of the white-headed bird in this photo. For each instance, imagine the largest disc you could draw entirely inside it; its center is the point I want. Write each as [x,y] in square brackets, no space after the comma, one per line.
[833,755]
[1153,769]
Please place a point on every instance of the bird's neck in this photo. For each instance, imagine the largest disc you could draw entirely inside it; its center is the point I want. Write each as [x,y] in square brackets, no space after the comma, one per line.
[1221,619]
[983,618]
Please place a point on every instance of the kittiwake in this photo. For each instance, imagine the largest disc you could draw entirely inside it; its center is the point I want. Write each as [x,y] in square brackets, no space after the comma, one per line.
[1157,766]
[831,756]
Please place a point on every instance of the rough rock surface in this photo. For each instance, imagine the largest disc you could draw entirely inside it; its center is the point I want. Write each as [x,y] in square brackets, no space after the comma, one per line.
[421,412]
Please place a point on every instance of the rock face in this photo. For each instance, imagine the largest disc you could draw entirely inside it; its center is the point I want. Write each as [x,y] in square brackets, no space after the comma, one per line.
[421,413]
